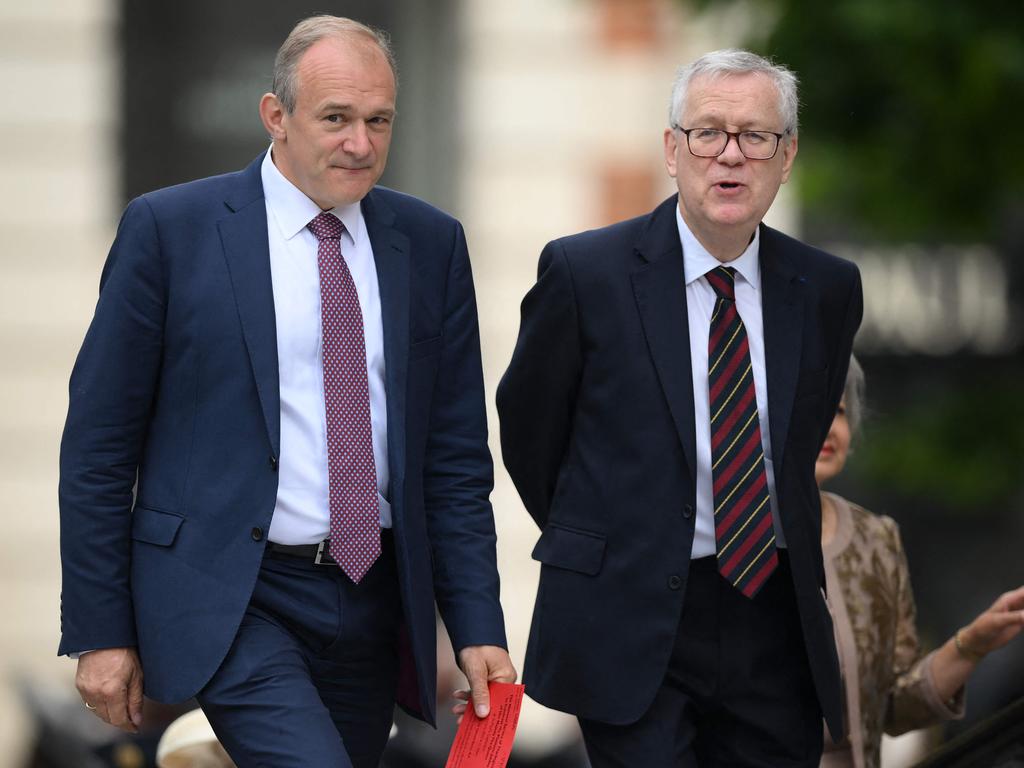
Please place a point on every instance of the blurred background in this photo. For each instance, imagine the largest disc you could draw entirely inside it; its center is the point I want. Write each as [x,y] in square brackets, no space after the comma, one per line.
[528,121]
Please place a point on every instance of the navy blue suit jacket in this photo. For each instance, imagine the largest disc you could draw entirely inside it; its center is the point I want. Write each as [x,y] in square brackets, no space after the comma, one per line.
[597,432]
[169,456]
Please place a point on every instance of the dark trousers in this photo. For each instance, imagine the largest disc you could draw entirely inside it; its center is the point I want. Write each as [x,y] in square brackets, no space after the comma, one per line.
[310,678]
[738,691]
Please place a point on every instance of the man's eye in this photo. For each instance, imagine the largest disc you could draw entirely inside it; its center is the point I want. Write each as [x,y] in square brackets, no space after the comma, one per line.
[754,137]
[707,134]
[333,119]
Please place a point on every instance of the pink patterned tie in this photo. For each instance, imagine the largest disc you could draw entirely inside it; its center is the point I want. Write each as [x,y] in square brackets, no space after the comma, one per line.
[355,515]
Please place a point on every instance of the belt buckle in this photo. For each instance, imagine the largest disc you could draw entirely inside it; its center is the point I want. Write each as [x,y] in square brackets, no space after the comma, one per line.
[323,548]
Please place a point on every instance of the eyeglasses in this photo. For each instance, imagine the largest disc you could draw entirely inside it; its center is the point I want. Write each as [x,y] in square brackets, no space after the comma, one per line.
[711,142]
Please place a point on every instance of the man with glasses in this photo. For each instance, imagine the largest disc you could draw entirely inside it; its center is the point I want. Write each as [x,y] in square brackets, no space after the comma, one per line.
[674,378]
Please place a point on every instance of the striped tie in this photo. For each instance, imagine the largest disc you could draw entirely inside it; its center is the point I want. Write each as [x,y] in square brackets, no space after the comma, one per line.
[743,517]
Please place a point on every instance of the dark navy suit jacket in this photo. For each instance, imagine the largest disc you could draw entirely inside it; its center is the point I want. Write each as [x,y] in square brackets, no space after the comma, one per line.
[169,456]
[597,432]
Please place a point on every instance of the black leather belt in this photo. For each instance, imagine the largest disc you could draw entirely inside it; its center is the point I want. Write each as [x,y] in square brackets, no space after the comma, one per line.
[318,554]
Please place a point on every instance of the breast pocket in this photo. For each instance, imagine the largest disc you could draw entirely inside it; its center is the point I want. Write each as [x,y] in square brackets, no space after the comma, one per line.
[420,349]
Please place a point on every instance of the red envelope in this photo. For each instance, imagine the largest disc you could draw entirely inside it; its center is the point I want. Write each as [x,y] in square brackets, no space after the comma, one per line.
[487,743]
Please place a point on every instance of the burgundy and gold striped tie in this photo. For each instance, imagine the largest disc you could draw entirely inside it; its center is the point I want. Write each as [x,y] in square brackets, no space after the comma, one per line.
[743,517]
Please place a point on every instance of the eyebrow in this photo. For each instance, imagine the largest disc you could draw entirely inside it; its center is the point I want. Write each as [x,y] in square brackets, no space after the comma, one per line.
[333,106]
[708,121]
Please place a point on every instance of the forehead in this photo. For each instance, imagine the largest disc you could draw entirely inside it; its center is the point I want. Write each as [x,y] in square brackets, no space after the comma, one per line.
[345,67]
[741,99]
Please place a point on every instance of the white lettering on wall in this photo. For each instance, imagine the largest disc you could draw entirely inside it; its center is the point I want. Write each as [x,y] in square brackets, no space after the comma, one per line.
[933,301]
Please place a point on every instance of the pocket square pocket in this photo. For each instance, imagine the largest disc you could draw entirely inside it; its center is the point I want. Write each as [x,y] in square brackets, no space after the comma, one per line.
[425,348]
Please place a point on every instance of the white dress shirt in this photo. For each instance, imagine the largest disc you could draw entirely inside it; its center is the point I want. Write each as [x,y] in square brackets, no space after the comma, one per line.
[302,512]
[700,304]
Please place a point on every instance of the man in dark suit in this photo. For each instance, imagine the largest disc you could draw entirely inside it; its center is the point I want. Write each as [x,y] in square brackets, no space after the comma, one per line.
[275,455]
[673,380]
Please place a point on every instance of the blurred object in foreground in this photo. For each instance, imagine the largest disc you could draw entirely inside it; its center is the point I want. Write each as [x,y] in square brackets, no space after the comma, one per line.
[67,735]
[189,742]
[997,741]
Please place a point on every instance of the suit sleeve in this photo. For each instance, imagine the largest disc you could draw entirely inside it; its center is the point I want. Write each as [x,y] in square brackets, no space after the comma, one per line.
[458,473]
[110,398]
[537,394]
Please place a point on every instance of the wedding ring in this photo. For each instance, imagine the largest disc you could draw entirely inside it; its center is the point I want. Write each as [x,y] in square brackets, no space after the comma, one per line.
[89,706]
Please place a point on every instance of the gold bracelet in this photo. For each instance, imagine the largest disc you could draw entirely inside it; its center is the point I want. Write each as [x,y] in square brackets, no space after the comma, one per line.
[964,651]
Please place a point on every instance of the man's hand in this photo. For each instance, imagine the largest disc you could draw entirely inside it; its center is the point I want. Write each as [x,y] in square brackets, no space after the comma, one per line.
[481,664]
[109,681]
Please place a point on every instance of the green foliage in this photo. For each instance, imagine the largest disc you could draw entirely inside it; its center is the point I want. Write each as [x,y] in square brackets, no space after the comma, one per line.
[912,123]
[958,449]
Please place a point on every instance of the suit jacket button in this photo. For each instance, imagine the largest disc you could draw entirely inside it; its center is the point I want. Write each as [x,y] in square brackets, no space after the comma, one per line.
[257,534]
[674,582]
[688,511]
[273,462]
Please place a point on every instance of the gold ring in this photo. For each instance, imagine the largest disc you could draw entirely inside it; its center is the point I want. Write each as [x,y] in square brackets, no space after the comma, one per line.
[89,706]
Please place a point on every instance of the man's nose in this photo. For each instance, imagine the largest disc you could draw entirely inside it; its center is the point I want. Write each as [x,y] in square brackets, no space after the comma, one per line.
[732,154]
[357,142]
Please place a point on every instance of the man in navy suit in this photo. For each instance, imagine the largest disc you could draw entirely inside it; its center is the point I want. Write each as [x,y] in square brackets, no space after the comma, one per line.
[275,456]
[674,378]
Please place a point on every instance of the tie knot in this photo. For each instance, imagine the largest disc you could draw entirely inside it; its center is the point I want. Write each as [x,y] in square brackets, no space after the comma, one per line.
[722,279]
[326,226]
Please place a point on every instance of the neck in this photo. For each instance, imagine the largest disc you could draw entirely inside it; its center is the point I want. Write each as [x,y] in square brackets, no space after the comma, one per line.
[828,519]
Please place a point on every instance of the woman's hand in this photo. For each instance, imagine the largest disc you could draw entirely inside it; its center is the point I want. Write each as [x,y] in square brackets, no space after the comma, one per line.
[997,626]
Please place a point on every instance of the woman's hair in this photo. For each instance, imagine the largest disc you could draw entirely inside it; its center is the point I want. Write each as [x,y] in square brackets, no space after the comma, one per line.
[853,394]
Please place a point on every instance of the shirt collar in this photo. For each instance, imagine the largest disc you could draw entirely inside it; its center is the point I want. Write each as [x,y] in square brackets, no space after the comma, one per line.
[697,262]
[293,210]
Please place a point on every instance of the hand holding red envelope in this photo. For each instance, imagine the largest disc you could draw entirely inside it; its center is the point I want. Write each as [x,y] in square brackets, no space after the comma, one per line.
[487,742]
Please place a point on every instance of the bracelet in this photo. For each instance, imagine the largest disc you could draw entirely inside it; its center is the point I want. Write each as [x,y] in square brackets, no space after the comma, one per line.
[964,651]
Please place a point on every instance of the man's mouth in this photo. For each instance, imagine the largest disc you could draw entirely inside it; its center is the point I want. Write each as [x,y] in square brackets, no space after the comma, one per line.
[728,185]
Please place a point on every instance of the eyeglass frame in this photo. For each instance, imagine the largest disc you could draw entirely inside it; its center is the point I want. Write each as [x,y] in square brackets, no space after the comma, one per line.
[729,135]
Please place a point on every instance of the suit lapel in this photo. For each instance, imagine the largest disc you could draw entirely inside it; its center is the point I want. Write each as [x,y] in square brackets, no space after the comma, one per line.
[782,309]
[247,251]
[391,254]
[659,286]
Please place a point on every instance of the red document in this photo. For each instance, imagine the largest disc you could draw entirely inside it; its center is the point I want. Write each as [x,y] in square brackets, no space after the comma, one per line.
[487,743]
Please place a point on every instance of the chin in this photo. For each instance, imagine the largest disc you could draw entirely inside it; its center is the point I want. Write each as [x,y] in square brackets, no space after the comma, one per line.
[732,217]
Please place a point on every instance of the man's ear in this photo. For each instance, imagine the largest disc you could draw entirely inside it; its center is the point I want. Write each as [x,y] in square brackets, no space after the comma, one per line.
[671,145]
[272,113]
[788,156]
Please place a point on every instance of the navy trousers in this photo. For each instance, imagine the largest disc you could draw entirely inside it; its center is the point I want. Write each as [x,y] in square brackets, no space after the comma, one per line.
[738,692]
[311,676]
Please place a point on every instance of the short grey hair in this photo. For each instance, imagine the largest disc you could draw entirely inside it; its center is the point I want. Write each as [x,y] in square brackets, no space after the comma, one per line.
[853,394]
[732,61]
[307,33]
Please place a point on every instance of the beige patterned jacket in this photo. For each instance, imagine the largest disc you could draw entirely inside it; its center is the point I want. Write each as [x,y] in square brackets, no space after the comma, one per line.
[873,609]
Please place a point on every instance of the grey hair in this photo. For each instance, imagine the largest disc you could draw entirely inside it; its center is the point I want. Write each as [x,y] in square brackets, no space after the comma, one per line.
[732,61]
[853,394]
[311,31]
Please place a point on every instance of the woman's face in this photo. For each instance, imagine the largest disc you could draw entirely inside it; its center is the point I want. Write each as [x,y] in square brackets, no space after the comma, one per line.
[832,457]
